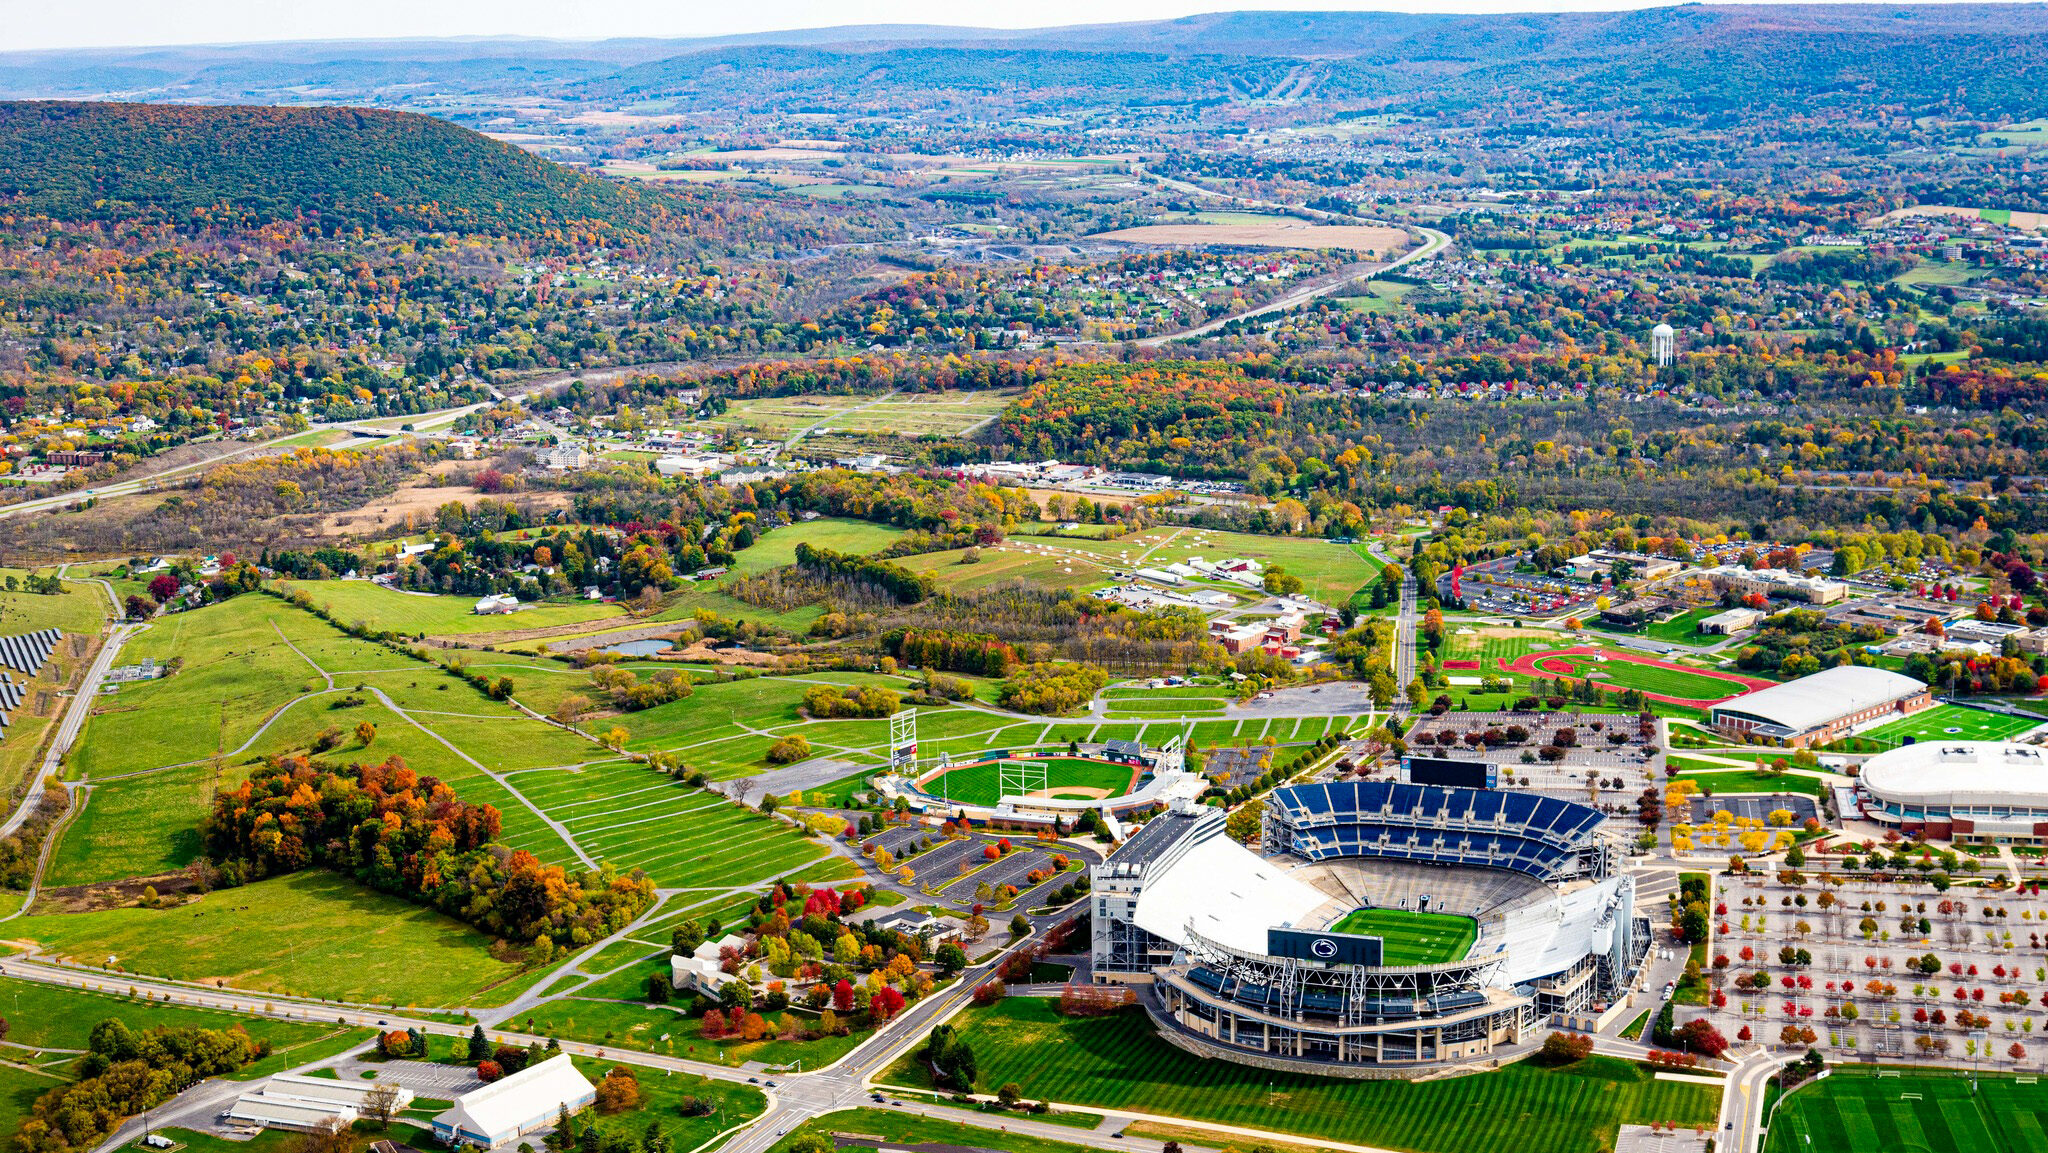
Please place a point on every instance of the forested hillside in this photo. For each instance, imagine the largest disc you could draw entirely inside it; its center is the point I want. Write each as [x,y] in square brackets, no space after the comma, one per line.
[345,167]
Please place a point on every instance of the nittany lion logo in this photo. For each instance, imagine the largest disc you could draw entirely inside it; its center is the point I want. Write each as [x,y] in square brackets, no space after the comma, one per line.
[1323,947]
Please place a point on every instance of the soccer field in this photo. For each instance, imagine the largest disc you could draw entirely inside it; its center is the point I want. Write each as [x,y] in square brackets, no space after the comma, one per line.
[1951,722]
[1856,1111]
[1413,938]
[1078,777]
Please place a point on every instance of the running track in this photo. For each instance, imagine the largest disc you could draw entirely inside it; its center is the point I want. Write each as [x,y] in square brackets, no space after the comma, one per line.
[1538,664]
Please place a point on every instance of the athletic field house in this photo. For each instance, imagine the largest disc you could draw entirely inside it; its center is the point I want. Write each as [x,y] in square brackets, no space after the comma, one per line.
[1032,788]
[1982,791]
[1384,929]
[1823,707]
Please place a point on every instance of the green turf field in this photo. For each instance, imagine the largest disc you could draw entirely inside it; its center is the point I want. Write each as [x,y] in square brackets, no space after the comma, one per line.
[1119,1062]
[980,784]
[1853,1110]
[1951,722]
[1413,938]
[1652,678]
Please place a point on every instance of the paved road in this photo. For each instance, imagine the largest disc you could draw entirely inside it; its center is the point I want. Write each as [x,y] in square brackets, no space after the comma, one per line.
[67,730]
[1404,641]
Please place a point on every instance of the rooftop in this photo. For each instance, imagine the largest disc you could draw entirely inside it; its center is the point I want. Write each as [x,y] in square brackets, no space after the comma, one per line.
[1960,774]
[1815,700]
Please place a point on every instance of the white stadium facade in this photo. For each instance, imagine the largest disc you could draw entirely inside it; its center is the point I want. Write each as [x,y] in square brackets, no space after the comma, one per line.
[1984,791]
[1235,957]
[1823,707]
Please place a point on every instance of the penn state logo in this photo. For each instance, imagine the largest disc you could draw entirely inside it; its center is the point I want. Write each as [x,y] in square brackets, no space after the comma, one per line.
[1323,947]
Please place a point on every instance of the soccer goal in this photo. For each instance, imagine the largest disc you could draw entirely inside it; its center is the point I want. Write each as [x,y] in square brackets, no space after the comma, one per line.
[1909,1096]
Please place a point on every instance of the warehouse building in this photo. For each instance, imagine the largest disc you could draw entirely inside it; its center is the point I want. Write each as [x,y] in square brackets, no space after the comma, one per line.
[309,1104]
[502,1112]
[1820,708]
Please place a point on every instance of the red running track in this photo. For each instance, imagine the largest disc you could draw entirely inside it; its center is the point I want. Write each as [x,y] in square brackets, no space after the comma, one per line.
[1538,664]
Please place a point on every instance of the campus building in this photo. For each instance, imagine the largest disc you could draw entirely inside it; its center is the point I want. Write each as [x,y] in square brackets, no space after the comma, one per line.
[1820,708]
[1983,791]
[1780,583]
[505,1110]
[1239,955]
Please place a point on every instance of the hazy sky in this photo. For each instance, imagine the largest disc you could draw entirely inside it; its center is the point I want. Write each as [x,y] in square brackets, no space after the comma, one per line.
[82,23]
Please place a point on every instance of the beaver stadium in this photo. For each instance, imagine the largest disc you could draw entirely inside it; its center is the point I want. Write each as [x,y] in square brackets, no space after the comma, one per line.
[1382,929]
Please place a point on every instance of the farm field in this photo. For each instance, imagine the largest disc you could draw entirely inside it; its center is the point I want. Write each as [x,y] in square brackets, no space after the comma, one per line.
[1064,777]
[80,611]
[1118,1062]
[1272,232]
[1854,1110]
[321,935]
[41,1016]
[1413,938]
[405,612]
[1019,558]
[1332,572]
[1950,722]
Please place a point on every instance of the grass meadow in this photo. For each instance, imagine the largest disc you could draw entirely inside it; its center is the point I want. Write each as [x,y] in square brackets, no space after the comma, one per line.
[405,612]
[1118,1062]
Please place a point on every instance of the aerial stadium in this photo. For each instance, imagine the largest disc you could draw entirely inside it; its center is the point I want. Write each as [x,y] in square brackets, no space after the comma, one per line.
[1383,930]
[1033,788]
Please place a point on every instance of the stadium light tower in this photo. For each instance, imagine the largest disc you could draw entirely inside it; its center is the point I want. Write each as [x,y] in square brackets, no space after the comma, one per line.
[1663,342]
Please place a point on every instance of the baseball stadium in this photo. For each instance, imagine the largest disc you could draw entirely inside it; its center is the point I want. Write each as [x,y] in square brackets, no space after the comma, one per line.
[1032,787]
[1383,929]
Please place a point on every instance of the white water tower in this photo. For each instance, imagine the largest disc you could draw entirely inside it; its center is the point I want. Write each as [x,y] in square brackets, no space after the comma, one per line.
[1663,340]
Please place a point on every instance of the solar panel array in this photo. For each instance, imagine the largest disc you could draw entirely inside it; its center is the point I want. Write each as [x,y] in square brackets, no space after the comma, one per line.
[1532,834]
[26,653]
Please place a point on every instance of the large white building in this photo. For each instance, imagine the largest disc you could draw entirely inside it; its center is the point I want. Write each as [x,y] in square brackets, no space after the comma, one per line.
[1987,791]
[503,1111]
[306,1104]
[1820,708]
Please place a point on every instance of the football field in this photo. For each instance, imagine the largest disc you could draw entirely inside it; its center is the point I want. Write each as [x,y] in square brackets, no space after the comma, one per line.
[1951,722]
[1858,1111]
[1412,938]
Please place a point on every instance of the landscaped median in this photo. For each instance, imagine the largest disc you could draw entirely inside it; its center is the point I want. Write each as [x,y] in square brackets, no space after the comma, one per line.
[1118,1062]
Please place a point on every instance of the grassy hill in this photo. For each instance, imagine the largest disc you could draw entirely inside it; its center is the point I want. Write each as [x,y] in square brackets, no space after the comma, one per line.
[345,167]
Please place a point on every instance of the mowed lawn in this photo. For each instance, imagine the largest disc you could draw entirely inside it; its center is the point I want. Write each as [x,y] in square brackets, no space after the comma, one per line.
[1951,722]
[1413,938]
[981,784]
[1856,1111]
[313,933]
[634,817]
[1332,572]
[384,608]
[43,1016]
[1118,1062]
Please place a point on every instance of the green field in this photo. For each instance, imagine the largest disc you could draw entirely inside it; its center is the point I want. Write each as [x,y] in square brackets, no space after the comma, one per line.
[1950,722]
[1853,1110]
[945,414]
[383,608]
[1118,1062]
[43,1016]
[895,1129]
[1064,776]
[1413,938]
[310,933]
[1751,781]
[1652,678]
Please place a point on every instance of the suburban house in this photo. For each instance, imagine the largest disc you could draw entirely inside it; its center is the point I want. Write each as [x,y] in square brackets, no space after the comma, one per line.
[503,1111]
[497,603]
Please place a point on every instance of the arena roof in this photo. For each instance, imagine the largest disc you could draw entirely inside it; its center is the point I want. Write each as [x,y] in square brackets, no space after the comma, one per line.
[1960,774]
[1812,701]
[1225,892]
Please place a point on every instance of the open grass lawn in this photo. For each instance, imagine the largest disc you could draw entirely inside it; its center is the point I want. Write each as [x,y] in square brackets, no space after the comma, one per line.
[897,1128]
[1118,1062]
[43,1016]
[135,827]
[1064,776]
[1685,627]
[1007,562]
[949,413]
[1950,722]
[633,817]
[19,1089]
[655,1029]
[659,1098]
[312,933]
[1332,572]
[1854,1110]
[404,612]
[1751,781]
[1413,938]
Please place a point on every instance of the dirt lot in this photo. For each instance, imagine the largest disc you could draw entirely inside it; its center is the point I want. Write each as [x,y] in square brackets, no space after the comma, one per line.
[1379,242]
[381,517]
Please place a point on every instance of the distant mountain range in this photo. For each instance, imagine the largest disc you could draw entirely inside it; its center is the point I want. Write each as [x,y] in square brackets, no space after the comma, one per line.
[338,167]
[1982,58]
